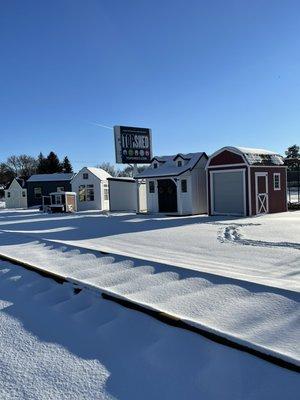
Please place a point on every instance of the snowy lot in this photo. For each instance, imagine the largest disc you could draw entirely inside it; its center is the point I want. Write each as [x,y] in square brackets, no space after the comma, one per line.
[58,345]
[261,249]
[228,275]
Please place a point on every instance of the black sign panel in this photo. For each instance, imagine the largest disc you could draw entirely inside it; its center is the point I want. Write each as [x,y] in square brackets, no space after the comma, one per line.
[133,145]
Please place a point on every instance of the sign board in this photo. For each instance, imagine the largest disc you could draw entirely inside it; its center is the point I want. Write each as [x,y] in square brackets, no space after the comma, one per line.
[133,145]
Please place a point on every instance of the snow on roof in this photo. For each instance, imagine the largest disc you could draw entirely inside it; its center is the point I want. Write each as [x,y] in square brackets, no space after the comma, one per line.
[257,156]
[51,177]
[99,173]
[120,178]
[169,167]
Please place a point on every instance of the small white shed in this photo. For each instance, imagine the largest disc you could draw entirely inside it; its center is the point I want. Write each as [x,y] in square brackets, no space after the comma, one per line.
[16,194]
[91,187]
[176,184]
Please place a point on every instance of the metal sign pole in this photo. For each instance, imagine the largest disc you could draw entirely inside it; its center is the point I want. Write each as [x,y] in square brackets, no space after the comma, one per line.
[135,172]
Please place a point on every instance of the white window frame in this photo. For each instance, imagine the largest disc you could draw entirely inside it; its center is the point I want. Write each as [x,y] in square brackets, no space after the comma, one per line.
[150,184]
[35,192]
[186,186]
[58,199]
[279,181]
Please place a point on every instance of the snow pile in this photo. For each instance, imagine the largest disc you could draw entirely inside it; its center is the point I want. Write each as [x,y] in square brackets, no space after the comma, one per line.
[58,345]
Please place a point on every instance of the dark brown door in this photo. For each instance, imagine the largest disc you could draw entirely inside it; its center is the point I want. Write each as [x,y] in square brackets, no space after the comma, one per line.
[167,195]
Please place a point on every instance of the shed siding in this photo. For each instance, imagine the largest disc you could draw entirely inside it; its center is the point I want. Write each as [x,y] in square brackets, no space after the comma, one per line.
[122,195]
[78,180]
[277,198]
[47,188]
[226,157]
[16,199]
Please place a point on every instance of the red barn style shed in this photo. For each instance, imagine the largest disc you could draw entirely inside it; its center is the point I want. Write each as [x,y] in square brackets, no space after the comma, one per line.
[245,181]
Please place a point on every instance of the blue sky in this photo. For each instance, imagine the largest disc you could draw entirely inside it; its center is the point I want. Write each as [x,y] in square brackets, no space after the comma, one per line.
[201,74]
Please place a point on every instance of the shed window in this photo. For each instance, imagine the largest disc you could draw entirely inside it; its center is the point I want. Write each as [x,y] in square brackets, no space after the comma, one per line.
[155,165]
[57,199]
[179,163]
[90,193]
[81,193]
[105,194]
[183,186]
[8,194]
[85,175]
[23,193]
[151,187]
[276,181]
[38,192]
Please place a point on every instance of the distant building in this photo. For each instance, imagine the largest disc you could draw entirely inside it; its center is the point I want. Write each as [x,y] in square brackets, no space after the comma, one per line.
[176,184]
[43,184]
[15,194]
[246,181]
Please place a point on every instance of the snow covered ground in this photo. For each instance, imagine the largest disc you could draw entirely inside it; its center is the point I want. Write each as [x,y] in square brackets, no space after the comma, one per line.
[2,204]
[235,277]
[55,344]
[261,249]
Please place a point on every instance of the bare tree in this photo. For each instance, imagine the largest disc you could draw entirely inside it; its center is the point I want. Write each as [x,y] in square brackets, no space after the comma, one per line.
[6,174]
[110,168]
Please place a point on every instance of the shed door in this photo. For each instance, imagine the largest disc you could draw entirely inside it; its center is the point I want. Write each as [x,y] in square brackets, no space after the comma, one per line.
[227,190]
[261,185]
[167,195]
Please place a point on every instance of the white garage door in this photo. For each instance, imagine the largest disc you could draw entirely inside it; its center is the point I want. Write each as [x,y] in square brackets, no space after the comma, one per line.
[228,192]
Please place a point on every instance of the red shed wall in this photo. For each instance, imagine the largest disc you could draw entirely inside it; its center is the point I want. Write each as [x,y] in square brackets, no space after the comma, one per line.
[226,157]
[277,198]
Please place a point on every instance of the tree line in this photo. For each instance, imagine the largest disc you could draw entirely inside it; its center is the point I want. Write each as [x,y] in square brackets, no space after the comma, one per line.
[24,166]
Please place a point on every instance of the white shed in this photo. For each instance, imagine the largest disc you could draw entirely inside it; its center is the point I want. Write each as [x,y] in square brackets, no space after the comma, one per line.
[176,184]
[122,194]
[16,194]
[91,186]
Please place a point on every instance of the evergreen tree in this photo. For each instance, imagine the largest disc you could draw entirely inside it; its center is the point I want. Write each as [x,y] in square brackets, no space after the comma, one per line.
[53,163]
[293,158]
[41,164]
[293,152]
[66,165]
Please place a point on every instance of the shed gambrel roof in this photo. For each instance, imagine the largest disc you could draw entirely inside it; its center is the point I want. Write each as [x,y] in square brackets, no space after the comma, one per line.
[168,166]
[254,156]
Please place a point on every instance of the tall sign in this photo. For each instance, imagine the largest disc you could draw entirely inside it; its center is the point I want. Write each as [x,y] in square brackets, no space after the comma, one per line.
[133,145]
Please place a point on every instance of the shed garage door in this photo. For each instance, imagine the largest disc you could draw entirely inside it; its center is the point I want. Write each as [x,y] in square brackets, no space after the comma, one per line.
[228,192]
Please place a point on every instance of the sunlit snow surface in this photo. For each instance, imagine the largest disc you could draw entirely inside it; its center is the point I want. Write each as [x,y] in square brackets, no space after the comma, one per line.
[58,345]
[238,277]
